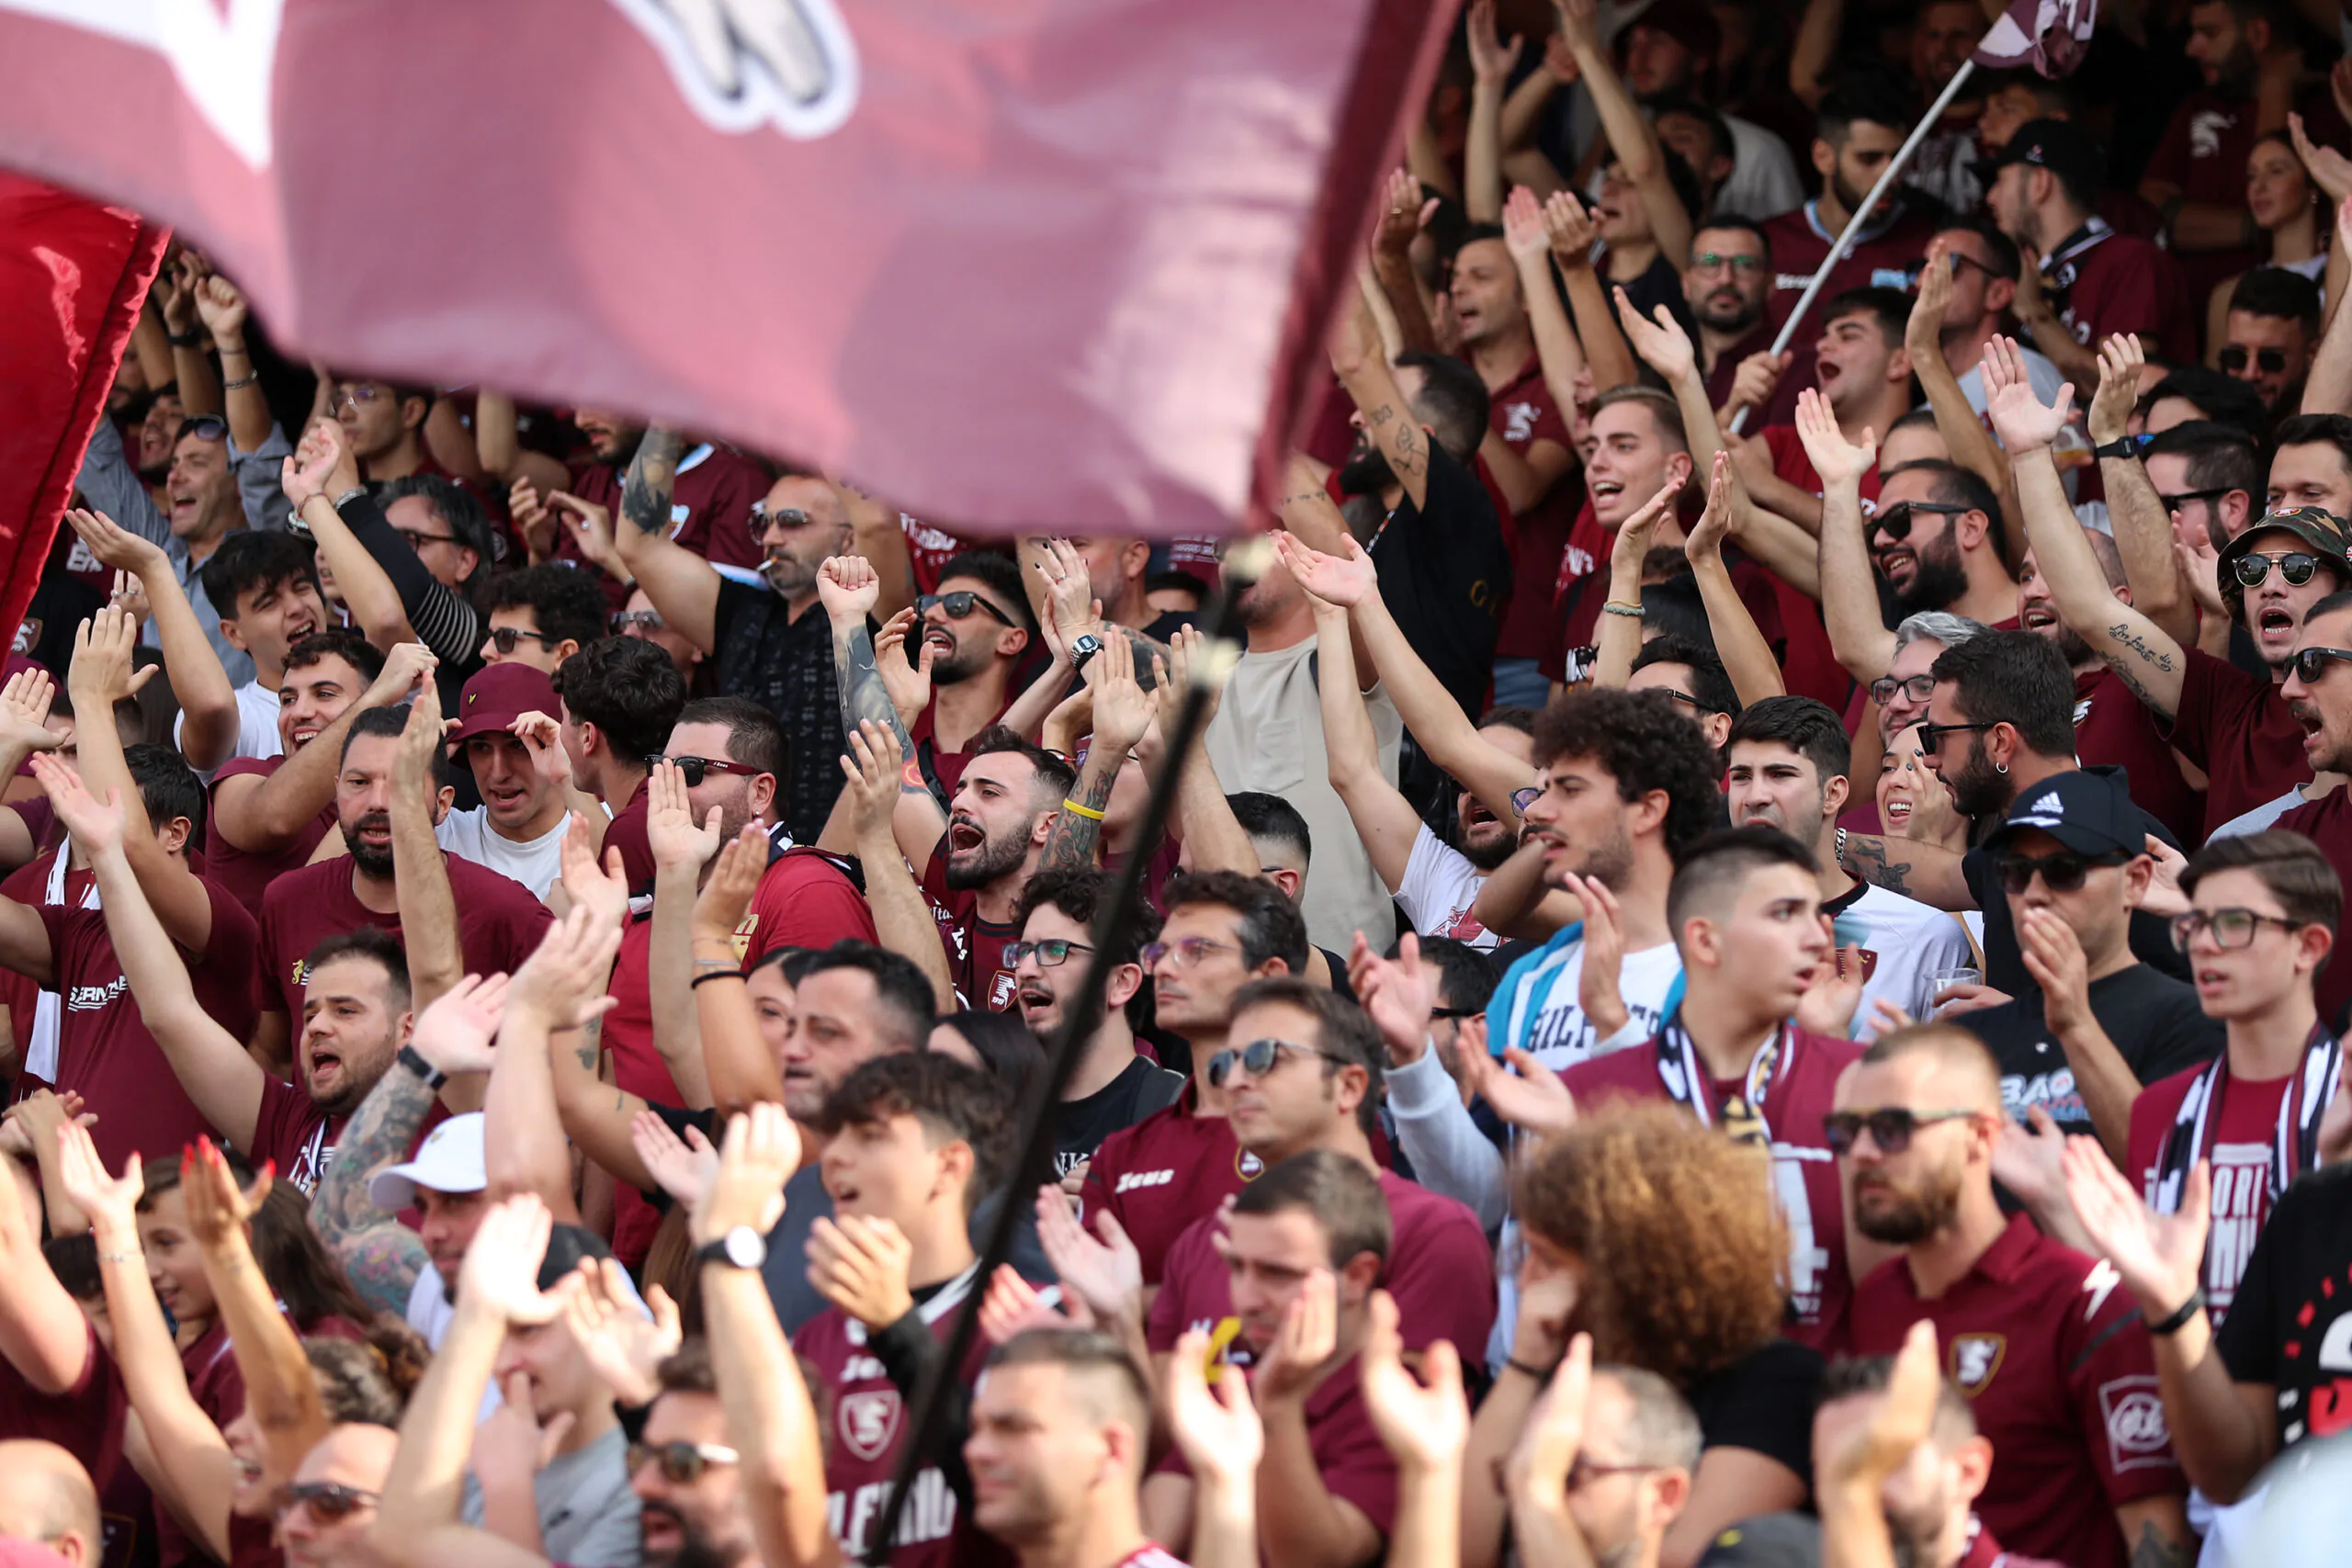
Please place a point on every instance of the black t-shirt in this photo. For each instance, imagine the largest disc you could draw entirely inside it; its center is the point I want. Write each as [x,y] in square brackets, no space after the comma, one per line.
[1444,573]
[1763,1402]
[786,667]
[2157,1027]
[2004,967]
[1080,1126]
[1659,284]
[2290,1324]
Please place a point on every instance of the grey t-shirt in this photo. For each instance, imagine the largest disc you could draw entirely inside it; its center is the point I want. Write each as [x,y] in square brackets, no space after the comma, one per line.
[587,1510]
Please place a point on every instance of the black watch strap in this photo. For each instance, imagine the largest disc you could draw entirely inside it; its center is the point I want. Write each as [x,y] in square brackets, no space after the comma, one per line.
[2124,446]
[2179,1319]
[413,1060]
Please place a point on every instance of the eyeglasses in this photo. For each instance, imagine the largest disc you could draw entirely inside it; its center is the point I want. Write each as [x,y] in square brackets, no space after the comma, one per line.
[327,1500]
[2231,928]
[1961,259]
[1259,1056]
[782,517]
[417,541]
[1695,704]
[359,392]
[504,639]
[1188,951]
[205,427]
[1051,954]
[1931,736]
[959,605]
[2295,566]
[691,769]
[2310,663]
[1715,261]
[1521,799]
[625,620]
[2175,502]
[1889,1129]
[2270,360]
[1894,521]
[1918,688]
[2061,873]
[682,1463]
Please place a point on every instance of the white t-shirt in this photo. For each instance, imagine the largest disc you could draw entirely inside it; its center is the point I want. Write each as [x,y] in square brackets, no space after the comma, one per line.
[256,724]
[534,862]
[1439,886]
[1911,940]
[1544,1017]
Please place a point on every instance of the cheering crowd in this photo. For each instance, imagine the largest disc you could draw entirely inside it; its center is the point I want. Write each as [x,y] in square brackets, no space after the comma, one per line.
[1738,973]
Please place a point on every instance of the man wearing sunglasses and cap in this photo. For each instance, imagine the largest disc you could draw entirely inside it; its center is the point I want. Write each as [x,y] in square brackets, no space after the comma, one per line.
[2097,1023]
[2051,1353]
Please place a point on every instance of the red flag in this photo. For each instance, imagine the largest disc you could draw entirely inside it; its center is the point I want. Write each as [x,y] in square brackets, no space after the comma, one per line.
[2049,35]
[72,276]
[1009,263]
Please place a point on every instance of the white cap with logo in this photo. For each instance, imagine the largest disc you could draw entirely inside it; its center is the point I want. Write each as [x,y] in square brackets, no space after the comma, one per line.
[449,1160]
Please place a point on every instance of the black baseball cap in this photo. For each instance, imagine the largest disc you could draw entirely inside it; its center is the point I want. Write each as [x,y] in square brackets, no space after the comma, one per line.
[2085,811]
[2063,147]
[566,1246]
[1768,1540]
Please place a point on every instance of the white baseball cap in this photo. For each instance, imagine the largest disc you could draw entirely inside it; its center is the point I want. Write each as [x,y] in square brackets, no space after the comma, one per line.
[449,1160]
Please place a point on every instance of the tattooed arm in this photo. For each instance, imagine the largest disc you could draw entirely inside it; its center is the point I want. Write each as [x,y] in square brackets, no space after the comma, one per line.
[382,1256]
[1912,867]
[1388,418]
[847,588]
[682,585]
[1122,713]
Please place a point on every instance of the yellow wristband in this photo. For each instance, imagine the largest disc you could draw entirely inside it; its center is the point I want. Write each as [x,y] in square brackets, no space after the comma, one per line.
[1086,811]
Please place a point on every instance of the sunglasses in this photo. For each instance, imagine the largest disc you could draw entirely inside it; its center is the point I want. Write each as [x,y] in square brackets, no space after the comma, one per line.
[1260,1057]
[2175,502]
[505,638]
[2295,566]
[1918,688]
[1187,951]
[2310,663]
[1715,261]
[682,1463]
[959,605]
[1894,521]
[1931,736]
[2231,928]
[1889,1129]
[327,1500]
[691,769]
[2061,873]
[205,427]
[2272,361]
[624,621]
[782,517]
[1521,799]
[1051,954]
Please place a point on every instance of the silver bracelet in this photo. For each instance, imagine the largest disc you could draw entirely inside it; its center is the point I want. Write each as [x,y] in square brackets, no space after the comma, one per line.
[140,1257]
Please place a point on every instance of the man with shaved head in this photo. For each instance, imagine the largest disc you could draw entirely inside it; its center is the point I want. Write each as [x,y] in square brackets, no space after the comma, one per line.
[45,1498]
[1061,1423]
[2053,1354]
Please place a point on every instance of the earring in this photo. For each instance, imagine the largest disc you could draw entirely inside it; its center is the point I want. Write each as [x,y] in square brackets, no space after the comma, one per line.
[2000,767]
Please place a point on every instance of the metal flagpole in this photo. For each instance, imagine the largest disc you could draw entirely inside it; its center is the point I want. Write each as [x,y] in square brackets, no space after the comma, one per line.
[1861,214]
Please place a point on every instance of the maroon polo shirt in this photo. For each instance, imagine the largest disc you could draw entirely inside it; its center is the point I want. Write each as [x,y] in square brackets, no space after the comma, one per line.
[2117,284]
[1167,1170]
[2236,728]
[2050,1350]
[626,833]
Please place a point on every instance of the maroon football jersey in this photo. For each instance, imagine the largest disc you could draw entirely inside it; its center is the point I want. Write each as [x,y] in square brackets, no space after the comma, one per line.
[1167,1170]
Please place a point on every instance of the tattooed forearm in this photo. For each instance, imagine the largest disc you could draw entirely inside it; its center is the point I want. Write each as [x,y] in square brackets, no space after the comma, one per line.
[645,494]
[2126,648]
[863,695]
[1865,856]
[384,1262]
[382,1256]
[1070,844]
[2155,1549]
[588,1045]
[2125,637]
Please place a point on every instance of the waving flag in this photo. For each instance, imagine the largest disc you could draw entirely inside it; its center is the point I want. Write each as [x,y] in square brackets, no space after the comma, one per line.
[1009,263]
[2049,35]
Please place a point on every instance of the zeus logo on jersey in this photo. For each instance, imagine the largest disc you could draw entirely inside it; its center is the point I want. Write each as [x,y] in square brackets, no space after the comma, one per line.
[1133,1179]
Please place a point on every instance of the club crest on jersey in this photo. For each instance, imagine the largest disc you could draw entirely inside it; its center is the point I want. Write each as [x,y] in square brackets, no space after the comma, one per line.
[868,1420]
[2082,712]
[1974,1358]
[1248,1166]
[1001,991]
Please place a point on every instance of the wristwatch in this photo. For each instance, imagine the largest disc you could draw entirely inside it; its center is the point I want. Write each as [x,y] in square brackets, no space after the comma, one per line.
[1083,647]
[2124,446]
[413,1060]
[741,1247]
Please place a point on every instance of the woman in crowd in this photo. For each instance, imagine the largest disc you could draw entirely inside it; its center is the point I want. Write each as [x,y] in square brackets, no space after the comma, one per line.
[2289,206]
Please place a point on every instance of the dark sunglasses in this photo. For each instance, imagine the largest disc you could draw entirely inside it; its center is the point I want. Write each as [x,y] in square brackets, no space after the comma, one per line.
[959,605]
[782,516]
[2271,360]
[505,638]
[2175,502]
[205,427]
[1894,521]
[2061,873]
[682,1463]
[1889,1129]
[691,769]
[2295,566]
[2310,663]
[327,1500]
[1918,688]
[624,619]
[1259,1057]
[1931,736]
[1052,953]
[2231,928]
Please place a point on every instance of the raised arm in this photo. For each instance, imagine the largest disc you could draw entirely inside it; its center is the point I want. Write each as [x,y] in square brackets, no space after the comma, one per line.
[1748,658]
[174,289]
[742,1070]
[428,908]
[1631,136]
[1556,348]
[1425,1426]
[770,1418]
[211,1064]
[2327,388]
[322,469]
[561,993]
[2135,647]
[1491,68]
[682,847]
[1849,607]
[1571,231]
[281,1391]
[222,308]
[1388,419]
[1211,834]
[876,533]
[100,676]
[1384,819]
[1816,44]
[42,1333]
[682,585]
[847,588]
[207,703]
[902,917]
[1402,218]
[266,816]
[1971,445]
[2143,533]
[1620,638]
[1122,712]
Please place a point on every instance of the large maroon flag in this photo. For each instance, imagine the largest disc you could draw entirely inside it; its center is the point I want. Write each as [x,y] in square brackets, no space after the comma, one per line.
[1009,263]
